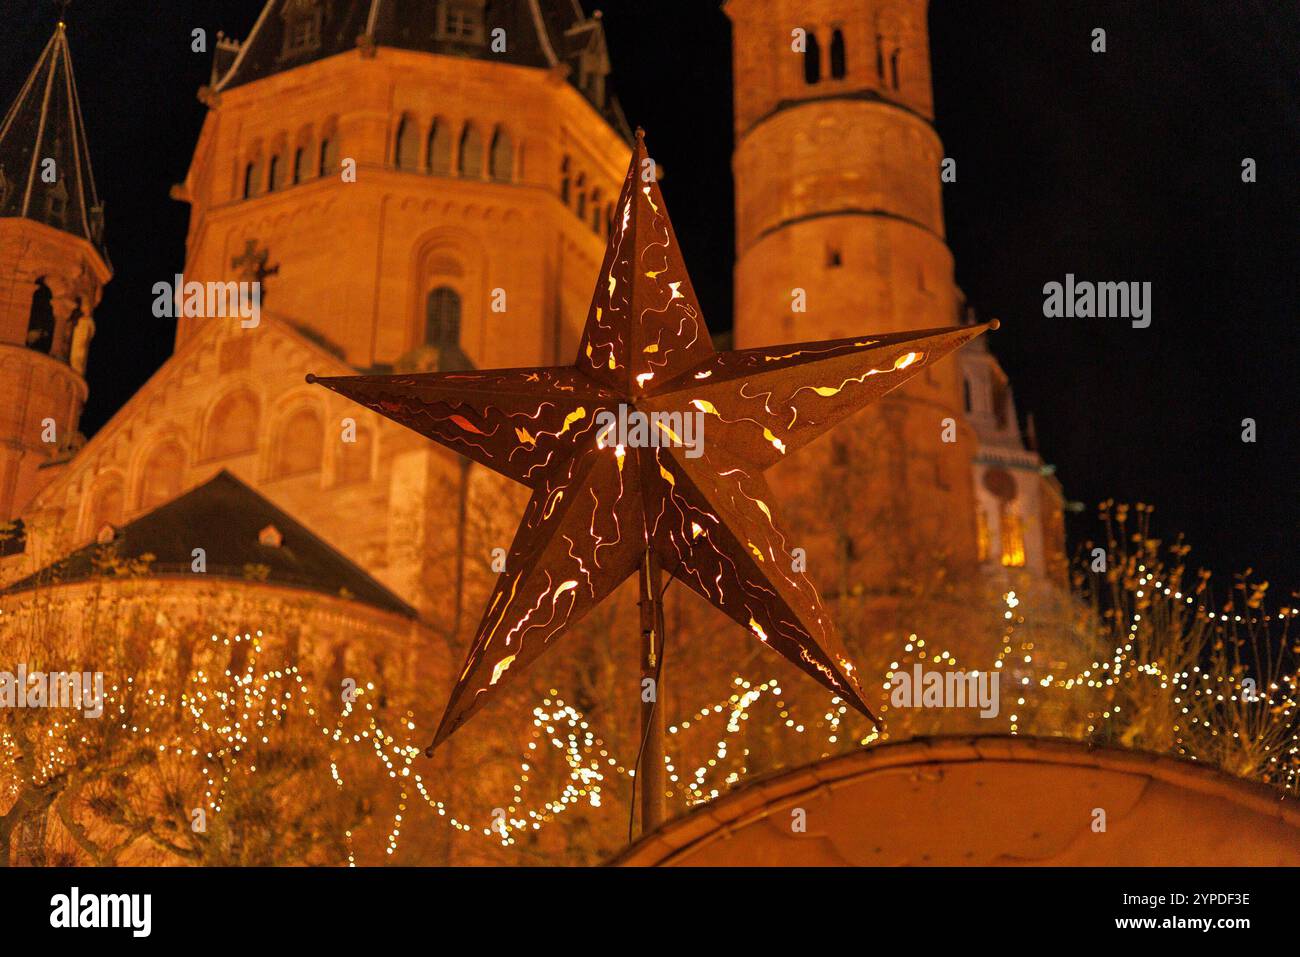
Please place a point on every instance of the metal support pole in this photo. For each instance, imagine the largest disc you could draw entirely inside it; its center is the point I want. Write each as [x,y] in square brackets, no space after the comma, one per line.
[650,775]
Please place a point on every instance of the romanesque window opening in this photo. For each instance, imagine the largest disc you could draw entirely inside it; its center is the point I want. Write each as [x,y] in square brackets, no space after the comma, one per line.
[442,318]
[893,68]
[329,155]
[299,164]
[471,152]
[564,181]
[503,156]
[581,187]
[440,148]
[276,172]
[252,179]
[40,318]
[812,59]
[300,444]
[161,475]
[406,149]
[233,426]
[107,504]
[837,54]
[1000,403]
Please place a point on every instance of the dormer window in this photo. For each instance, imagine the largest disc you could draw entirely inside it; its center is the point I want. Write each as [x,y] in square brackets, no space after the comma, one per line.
[56,204]
[302,27]
[96,222]
[461,21]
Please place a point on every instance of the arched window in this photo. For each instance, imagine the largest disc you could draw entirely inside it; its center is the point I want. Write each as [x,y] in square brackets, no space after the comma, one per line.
[329,155]
[299,444]
[406,150]
[40,318]
[232,427]
[595,211]
[354,458]
[440,148]
[471,152]
[162,474]
[580,185]
[564,181]
[1012,533]
[1001,402]
[812,59]
[893,68]
[107,505]
[276,170]
[503,156]
[837,54]
[252,179]
[299,164]
[442,317]
[880,57]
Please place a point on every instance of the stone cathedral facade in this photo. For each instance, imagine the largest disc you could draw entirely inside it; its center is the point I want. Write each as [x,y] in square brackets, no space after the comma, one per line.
[411,196]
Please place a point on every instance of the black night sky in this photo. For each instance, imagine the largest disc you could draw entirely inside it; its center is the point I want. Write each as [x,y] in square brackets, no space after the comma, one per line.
[1123,166]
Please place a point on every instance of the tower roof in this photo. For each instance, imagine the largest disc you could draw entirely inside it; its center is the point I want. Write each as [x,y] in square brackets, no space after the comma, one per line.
[539,33]
[44,123]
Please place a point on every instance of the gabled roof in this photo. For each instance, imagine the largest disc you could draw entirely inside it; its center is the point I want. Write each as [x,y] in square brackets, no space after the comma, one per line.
[43,123]
[171,374]
[539,33]
[237,528]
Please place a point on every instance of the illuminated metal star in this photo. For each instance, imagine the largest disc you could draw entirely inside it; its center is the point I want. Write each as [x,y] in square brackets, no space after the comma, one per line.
[598,506]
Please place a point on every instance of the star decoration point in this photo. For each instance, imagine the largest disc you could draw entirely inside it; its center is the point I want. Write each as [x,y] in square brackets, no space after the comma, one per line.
[597,507]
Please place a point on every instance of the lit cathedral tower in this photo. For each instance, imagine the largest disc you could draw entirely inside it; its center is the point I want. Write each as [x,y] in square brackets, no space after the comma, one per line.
[837,169]
[418,181]
[51,248]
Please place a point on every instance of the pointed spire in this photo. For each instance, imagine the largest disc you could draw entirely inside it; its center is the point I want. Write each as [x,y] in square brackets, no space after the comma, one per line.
[45,170]
[644,326]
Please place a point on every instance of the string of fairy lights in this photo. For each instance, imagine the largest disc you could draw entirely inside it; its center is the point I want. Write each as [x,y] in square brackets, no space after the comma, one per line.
[232,713]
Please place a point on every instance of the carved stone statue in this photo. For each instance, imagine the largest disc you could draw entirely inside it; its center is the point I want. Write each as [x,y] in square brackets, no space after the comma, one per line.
[82,333]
